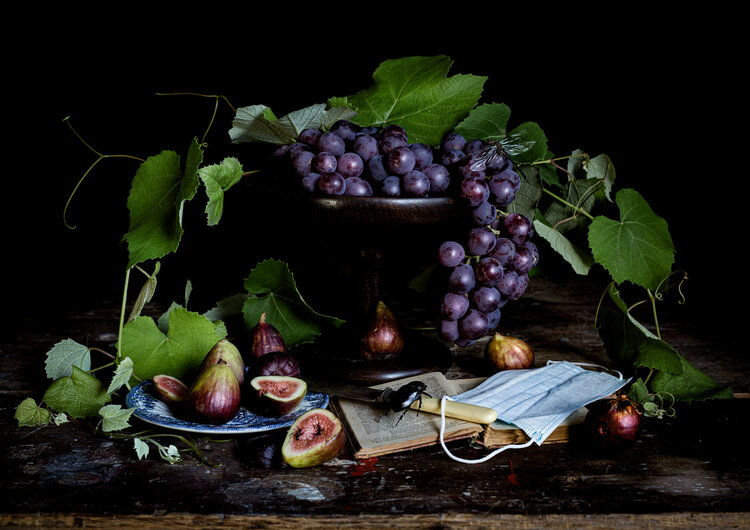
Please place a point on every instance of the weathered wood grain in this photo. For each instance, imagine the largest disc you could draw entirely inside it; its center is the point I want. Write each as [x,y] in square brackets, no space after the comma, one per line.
[688,471]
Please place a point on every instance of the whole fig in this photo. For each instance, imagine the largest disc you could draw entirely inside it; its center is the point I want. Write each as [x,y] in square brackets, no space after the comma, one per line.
[264,338]
[214,396]
[225,350]
[504,352]
[382,338]
[274,363]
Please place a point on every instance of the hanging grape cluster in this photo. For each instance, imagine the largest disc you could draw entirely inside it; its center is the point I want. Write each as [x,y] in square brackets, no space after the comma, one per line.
[490,266]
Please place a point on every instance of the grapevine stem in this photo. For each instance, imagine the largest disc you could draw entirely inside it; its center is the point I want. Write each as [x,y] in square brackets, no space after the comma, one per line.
[575,208]
[91,167]
[122,315]
[100,367]
[653,309]
[104,352]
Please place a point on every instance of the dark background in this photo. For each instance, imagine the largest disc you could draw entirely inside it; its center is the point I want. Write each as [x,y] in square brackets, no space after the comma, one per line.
[659,94]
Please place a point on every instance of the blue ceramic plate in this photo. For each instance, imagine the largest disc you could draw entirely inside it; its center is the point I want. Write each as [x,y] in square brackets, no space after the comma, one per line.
[151,410]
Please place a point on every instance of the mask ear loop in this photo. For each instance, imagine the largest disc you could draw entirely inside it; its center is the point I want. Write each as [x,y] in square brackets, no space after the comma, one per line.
[619,374]
[463,460]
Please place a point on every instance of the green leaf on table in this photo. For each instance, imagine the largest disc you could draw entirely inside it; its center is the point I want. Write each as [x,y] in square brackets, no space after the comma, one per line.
[638,247]
[64,356]
[579,259]
[29,414]
[415,93]
[217,179]
[141,448]
[628,342]
[178,353]
[80,395]
[257,123]
[122,375]
[157,197]
[146,293]
[690,385]
[274,292]
[114,417]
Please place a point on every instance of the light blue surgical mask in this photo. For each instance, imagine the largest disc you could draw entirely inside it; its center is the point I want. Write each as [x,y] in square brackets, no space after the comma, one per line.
[536,400]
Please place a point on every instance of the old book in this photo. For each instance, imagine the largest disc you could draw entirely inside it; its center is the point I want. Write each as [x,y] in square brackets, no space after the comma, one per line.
[373,431]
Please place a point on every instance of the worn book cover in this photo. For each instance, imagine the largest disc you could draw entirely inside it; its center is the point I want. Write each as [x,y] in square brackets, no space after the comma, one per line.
[373,431]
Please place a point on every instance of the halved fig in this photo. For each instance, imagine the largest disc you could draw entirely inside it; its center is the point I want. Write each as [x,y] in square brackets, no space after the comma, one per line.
[228,352]
[276,395]
[169,389]
[314,438]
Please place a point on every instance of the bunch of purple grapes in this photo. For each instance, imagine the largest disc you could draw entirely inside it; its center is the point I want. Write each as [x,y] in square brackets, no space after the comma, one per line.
[490,267]
[365,161]
[486,270]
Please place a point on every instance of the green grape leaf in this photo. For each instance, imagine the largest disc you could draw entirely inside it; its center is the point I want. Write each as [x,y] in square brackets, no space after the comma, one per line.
[528,196]
[274,292]
[227,307]
[80,395]
[690,385]
[578,258]
[217,179]
[601,168]
[525,144]
[115,418]
[415,93]
[29,414]
[163,321]
[64,356]
[629,343]
[122,375]
[256,123]
[141,448]
[178,353]
[582,194]
[146,294]
[548,172]
[486,122]
[157,197]
[638,391]
[638,247]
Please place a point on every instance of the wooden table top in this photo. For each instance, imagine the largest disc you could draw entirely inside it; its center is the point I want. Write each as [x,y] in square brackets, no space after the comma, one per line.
[692,470]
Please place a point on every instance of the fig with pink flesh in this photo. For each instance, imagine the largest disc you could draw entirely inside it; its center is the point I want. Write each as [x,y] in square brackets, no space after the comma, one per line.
[275,395]
[169,389]
[214,396]
[382,338]
[313,439]
[225,350]
[264,338]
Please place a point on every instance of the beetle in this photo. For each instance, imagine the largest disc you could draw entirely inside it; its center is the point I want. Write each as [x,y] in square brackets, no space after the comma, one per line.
[402,398]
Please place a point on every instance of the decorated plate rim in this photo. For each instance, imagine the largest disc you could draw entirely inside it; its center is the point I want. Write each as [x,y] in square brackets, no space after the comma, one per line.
[151,410]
